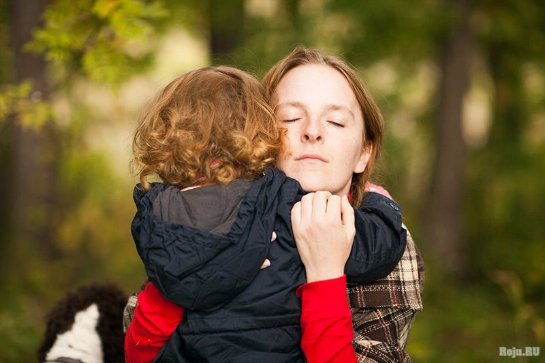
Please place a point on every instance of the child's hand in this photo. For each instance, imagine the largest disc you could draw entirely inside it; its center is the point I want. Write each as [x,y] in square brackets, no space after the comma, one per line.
[370,187]
[267,262]
[323,227]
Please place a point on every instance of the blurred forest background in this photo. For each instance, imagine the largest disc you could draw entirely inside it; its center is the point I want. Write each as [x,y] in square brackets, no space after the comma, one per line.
[461,84]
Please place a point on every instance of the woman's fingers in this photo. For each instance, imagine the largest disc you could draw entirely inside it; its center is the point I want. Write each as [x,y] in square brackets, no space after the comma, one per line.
[319,205]
[306,207]
[323,227]
[347,212]
[333,211]
[296,214]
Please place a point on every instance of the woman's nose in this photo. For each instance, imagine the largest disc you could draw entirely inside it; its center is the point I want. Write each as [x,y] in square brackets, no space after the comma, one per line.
[312,132]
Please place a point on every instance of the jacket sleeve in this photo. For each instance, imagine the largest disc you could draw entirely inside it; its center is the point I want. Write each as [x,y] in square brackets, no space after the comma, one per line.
[326,323]
[154,320]
[380,239]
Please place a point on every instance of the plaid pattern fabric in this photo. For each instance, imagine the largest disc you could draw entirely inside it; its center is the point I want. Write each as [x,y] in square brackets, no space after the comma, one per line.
[383,311]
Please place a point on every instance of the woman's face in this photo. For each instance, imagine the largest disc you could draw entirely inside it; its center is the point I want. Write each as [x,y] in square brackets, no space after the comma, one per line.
[324,126]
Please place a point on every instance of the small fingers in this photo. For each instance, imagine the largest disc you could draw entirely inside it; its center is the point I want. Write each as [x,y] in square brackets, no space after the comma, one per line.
[265,264]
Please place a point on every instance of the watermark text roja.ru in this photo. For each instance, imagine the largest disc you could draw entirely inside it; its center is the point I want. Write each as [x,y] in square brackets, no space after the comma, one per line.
[519,352]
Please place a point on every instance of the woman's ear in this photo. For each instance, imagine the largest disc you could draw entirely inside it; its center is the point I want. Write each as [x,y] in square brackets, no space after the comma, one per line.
[364,159]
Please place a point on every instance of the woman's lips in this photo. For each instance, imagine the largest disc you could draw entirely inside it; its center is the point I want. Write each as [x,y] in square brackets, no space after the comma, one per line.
[310,157]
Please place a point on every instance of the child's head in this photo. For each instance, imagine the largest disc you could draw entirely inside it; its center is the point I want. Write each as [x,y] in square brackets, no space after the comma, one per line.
[211,125]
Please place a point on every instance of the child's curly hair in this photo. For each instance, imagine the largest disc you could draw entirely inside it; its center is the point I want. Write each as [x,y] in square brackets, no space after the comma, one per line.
[210,125]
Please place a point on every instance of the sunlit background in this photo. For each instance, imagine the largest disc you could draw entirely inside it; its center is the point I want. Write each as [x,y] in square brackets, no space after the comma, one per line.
[461,84]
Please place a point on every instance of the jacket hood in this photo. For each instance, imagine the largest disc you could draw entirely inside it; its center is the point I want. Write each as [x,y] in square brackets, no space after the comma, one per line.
[211,208]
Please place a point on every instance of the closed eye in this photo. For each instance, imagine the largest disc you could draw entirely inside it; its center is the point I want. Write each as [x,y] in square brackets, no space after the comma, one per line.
[291,119]
[337,124]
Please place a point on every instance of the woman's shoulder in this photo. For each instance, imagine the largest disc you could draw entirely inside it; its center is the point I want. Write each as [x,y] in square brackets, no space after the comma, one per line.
[402,288]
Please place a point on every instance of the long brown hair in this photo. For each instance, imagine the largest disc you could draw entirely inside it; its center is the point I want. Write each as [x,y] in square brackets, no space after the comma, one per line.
[210,125]
[373,128]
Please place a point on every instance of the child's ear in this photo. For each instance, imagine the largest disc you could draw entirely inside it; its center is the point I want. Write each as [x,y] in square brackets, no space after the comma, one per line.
[364,159]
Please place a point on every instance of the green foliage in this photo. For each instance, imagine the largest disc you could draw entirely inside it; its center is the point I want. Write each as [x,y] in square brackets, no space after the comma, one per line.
[513,27]
[108,41]
[510,192]
[20,332]
[377,30]
[466,321]
[104,40]
[24,105]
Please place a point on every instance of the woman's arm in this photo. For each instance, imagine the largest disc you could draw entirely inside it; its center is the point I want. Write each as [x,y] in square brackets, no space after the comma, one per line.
[326,322]
[323,235]
[378,241]
[154,320]
[323,226]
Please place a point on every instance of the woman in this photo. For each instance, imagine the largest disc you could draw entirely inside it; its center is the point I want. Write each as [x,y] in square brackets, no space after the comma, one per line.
[202,234]
[334,132]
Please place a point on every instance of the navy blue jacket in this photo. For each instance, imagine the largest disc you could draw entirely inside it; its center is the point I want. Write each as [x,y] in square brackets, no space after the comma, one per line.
[210,265]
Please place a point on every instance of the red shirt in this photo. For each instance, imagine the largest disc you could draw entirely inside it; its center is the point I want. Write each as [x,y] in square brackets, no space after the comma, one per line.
[326,323]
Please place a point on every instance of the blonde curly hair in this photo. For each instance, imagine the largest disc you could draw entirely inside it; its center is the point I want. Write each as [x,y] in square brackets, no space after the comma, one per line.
[210,125]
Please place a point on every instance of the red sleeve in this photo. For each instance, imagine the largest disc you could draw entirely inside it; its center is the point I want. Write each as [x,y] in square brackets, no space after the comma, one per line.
[326,322]
[155,319]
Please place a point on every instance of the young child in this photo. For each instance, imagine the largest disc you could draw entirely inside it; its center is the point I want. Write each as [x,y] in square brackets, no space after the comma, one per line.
[205,232]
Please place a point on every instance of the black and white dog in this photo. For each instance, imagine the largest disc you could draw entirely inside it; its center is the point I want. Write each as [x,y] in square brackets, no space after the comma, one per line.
[86,326]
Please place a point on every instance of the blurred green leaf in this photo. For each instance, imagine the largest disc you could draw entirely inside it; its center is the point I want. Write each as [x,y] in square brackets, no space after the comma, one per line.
[24,105]
[91,36]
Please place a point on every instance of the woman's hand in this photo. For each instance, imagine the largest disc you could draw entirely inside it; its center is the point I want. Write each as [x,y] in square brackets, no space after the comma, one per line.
[323,227]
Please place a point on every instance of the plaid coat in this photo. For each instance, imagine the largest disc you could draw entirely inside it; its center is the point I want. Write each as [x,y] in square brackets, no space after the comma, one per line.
[383,311]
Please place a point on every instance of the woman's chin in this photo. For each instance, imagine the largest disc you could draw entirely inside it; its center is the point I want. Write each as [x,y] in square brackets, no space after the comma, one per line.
[322,184]
[314,180]
[313,186]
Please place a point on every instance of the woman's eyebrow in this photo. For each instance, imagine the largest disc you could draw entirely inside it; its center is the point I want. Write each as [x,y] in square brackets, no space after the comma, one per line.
[335,107]
[289,104]
[325,108]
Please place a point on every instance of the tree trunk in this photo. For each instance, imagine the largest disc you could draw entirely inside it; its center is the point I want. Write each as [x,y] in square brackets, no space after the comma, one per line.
[443,217]
[31,182]
[226,28]
[292,8]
